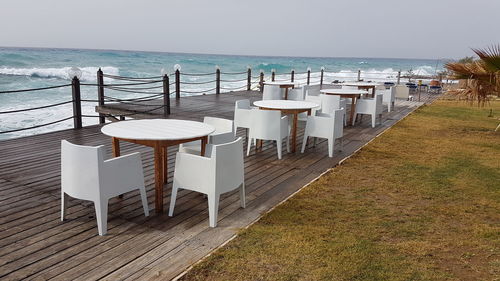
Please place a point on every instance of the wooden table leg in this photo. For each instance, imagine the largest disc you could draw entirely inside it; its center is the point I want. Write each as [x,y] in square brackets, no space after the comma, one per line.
[373,92]
[158,178]
[286,93]
[294,131]
[116,147]
[204,142]
[164,159]
[116,152]
[353,109]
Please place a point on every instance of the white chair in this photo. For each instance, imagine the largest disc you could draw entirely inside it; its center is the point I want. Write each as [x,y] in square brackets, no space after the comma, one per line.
[329,126]
[222,172]
[329,103]
[370,106]
[268,125]
[224,132]
[86,175]
[272,92]
[296,94]
[388,97]
[402,92]
[242,111]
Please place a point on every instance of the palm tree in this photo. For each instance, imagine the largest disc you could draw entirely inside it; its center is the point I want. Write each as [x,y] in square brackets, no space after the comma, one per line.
[482,76]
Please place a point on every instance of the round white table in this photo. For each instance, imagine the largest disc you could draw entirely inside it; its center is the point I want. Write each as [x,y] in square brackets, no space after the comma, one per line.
[288,107]
[363,86]
[283,85]
[158,134]
[346,93]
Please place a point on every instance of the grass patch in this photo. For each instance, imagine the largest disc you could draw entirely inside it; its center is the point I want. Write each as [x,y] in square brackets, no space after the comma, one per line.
[421,202]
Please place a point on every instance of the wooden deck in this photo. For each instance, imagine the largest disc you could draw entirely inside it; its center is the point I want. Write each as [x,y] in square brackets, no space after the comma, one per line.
[36,245]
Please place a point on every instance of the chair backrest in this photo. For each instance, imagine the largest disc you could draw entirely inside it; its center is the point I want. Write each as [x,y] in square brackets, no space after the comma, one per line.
[378,104]
[329,103]
[265,124]
[401,92]
[224,129]
[272,92]
[242,104]
[242,111]
[338,130]
[296,94]
[229,167]
[80,168]
[312,90]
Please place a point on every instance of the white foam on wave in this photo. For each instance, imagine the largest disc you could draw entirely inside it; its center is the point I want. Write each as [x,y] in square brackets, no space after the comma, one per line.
[88,73]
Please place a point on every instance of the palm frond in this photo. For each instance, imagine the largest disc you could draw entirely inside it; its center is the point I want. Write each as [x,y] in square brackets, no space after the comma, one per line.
[490,56]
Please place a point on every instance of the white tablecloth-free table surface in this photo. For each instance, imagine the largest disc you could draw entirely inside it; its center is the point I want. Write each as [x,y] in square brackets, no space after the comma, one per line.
[157,129]
[343,92]
[286,104]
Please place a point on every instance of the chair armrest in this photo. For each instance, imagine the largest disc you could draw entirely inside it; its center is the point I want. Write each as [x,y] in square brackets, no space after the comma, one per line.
[122,174]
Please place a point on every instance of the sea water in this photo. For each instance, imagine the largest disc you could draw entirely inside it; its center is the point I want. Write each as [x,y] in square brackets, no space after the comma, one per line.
[25,68]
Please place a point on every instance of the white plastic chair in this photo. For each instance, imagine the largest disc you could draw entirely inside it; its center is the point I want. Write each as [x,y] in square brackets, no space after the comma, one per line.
[86,175]
[268,125]
[329,126]
[388,97]
[329,103]
[370,106]
[222,172]
[402,92]
[224,132]
[272,92]
[296,94]
[242,111]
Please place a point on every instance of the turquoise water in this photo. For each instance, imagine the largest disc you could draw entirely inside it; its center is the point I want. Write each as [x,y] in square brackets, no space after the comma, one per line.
[23,68]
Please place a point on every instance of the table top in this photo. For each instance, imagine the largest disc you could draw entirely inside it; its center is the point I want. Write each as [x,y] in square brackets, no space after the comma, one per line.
[343,92]
[157,129]
[285,104]
[362,84]
[283,83]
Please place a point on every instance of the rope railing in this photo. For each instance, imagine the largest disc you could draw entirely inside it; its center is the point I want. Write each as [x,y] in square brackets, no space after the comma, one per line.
[35,89]
[197,74]
[198,83]
[35,108]
[117,77]
[36,126]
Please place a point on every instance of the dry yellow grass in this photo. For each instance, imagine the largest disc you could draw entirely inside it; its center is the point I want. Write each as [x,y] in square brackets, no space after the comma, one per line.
[421,202]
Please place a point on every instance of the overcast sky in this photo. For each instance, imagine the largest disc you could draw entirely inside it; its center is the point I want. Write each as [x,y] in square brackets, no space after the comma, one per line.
[363,28]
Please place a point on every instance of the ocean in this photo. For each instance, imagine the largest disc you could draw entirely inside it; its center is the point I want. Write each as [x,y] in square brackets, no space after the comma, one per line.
[25,68]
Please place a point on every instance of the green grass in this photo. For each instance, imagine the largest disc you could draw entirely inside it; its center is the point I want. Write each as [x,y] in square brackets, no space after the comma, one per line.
[421,202]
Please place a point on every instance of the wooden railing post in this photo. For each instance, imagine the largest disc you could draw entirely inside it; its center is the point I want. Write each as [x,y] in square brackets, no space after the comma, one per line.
[217,80]
[292,75]
[308,75]
[261,82]
[177,81]
[273,74]
[100,94]
[77,103]
[249,78]
[359,74]
[321,78]
[166,95]
[399,76]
